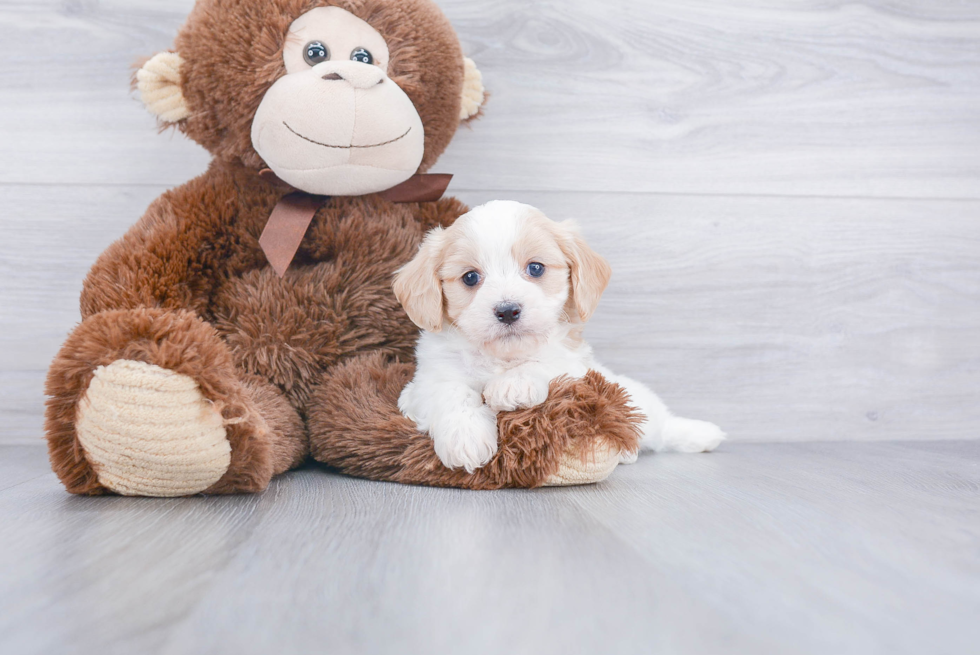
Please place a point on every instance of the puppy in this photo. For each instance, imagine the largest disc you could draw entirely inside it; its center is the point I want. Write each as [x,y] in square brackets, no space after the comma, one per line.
[502,296]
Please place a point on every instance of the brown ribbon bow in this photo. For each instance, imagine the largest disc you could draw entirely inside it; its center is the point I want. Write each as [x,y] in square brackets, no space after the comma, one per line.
[292,215]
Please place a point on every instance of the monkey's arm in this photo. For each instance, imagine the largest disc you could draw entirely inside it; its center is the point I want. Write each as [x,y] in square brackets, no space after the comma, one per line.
[184,245]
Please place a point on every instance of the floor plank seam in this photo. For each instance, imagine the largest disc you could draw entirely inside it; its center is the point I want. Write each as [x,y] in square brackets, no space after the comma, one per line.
[22,482]
[570,192]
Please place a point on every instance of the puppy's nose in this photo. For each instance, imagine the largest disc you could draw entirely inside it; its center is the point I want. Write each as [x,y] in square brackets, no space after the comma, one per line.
[507,312]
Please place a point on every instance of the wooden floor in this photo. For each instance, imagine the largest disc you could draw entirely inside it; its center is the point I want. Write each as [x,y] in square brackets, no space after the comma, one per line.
[757,548]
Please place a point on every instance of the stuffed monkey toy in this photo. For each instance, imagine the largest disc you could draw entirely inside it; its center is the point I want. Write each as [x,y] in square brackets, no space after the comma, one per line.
[247,321]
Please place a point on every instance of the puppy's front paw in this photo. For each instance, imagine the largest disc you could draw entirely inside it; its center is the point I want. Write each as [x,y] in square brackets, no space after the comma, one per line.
[465,438]
[511,391]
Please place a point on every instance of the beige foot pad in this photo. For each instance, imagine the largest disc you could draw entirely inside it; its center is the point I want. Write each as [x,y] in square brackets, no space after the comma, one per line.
[148,431]
[595,467]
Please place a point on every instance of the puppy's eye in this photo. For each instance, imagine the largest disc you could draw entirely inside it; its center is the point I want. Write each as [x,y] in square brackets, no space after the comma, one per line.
[316,52]
[362,56]
[471,279]
[534,269]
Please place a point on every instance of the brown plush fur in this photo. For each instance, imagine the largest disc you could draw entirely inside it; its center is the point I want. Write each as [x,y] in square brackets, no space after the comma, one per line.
[175,340]
[358,429]
[313,361]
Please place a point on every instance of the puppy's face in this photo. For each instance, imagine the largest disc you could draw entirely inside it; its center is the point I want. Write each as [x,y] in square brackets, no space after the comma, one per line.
[505,275]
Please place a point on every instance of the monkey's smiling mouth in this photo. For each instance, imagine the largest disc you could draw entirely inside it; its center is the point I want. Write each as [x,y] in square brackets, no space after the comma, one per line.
[327,145]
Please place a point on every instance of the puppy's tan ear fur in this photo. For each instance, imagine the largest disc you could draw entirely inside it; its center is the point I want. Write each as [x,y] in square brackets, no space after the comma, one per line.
[158,81]
[417,285]
[589,271]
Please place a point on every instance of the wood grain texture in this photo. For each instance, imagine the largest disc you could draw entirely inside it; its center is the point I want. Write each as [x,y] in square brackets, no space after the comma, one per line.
[879,98]
[774,548]
[44,256]
[780,319]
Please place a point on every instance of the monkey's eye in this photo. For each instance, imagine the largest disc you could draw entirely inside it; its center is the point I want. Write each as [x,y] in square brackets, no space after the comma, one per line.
[471,279]
[535,269]
[316,52]
[362,56]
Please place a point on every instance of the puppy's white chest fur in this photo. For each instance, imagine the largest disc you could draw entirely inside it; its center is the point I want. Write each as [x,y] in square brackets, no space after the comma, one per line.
[448,355]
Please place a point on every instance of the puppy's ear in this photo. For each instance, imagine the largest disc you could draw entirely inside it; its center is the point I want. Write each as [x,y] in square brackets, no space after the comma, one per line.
[590,272]
[417,285]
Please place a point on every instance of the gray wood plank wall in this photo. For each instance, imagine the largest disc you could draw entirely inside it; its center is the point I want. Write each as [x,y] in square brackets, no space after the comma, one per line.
[789,192]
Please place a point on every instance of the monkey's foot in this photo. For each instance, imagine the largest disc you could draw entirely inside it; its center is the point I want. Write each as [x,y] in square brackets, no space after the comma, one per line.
[148,431]
[594,466]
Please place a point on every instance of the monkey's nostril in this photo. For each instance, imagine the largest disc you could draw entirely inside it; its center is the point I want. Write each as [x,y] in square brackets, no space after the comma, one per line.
[332,76]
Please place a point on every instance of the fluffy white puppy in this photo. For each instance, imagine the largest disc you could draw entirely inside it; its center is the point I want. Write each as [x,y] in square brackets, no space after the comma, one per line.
[502,296]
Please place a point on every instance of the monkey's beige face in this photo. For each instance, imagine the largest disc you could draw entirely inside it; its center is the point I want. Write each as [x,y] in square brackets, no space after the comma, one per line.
[335,124]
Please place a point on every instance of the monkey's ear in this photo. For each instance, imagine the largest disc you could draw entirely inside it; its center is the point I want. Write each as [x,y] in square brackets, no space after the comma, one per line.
[158,82]
[473,91]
